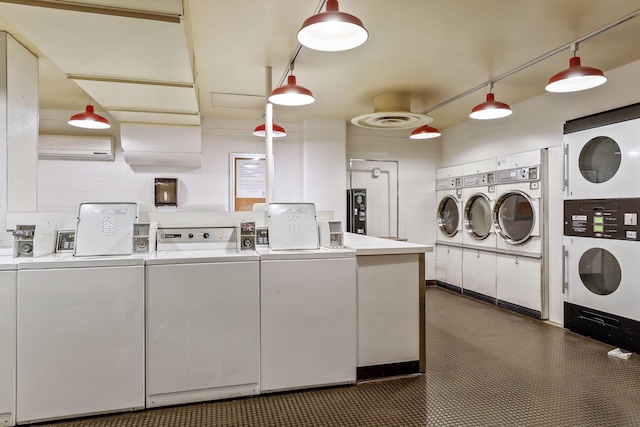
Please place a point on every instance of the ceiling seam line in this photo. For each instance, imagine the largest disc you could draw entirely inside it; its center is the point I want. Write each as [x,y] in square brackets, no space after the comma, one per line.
[101,10]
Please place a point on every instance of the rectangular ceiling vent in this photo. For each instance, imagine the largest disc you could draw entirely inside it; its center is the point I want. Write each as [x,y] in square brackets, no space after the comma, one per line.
[67,147]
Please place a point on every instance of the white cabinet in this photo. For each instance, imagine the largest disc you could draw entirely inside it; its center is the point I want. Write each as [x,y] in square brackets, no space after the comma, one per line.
[449,265]
[203,331]
[308,323]
[479,273]
[80,341]
[7,347]
[520,282]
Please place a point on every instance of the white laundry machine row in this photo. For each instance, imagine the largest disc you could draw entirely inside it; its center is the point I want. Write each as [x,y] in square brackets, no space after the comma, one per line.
[202,317]
[479,237]
[80,335]
[449,235]
[517,218]
[8,341]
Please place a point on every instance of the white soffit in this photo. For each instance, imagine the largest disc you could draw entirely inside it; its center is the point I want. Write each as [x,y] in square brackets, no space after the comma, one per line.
[123,116]
[93,44]
[116,95]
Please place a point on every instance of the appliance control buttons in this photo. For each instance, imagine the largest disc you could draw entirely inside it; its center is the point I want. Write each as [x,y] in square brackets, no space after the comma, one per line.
[205,235]
[629,234]
[630,219]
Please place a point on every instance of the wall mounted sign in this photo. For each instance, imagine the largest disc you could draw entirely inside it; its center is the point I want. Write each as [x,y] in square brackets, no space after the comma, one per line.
[247,181]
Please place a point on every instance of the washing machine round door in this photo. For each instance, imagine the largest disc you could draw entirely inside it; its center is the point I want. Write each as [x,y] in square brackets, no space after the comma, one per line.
[477,216]
[599,159]
[448,216]
[514,217]
[600,271]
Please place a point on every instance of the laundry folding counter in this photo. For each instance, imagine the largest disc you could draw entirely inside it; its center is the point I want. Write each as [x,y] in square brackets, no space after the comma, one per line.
[390,305]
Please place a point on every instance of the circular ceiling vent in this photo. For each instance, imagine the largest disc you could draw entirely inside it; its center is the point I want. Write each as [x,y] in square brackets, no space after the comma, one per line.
[391,111]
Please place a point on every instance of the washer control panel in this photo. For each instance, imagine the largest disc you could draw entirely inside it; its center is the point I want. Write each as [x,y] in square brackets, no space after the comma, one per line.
[524,174]
[602,218]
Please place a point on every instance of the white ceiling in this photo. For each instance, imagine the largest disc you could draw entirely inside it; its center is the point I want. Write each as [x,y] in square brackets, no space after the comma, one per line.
[212,61]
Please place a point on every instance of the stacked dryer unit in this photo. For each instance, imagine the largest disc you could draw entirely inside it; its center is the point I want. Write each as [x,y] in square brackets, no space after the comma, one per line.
[601,232]
[517,218]
[449,234]
[478,238]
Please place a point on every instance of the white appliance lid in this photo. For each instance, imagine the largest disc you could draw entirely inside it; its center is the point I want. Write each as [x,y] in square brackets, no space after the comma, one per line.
[105,228]
[292,226]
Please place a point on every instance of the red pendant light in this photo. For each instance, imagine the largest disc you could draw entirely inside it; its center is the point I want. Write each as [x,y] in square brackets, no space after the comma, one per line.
[425,132]
[291,94]
[490,109]
[89,120]
[278,131]
[332,30]
[576,78]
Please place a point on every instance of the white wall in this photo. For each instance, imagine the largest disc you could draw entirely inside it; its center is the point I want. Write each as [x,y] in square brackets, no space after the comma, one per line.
[417,164]
[63,184]
[538,123]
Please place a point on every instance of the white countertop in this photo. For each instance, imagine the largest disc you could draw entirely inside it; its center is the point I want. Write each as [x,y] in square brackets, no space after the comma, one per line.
[369,245]
[196,256]
[321,253]
[66,259]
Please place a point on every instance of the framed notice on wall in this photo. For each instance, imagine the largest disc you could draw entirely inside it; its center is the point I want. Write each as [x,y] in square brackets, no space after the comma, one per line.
[247,181]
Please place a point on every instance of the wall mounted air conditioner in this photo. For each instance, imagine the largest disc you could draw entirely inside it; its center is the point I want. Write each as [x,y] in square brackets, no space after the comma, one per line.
[67,147]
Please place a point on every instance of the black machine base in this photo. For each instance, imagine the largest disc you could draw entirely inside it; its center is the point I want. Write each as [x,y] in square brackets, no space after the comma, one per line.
[454,288]
[608,328]
[388,370]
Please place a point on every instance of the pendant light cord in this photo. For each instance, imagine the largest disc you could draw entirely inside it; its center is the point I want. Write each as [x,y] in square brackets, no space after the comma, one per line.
[298,49]
[538,59]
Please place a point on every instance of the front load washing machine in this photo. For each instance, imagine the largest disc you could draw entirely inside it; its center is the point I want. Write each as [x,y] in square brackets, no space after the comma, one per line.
[601,269]
[479,239]
[602,154]
[517,220]
[449,234]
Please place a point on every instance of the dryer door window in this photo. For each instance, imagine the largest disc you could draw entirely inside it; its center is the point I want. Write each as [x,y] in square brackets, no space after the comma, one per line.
[514,217]
[448,216]
[599,159]
[477,215]
[600,271]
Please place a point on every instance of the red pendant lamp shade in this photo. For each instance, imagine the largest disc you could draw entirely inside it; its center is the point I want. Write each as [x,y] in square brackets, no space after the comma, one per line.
[332,30]
[278,131]
[291,94]
[575,78]
[425,132]
[89,120]
[490,109]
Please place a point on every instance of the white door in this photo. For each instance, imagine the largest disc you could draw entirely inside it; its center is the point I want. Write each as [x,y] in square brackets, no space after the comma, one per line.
[479,272]
[603,274]
[603,162]
[519,281]
[449,265]
[80,341]
[308,323]
[203,331]
[7,347]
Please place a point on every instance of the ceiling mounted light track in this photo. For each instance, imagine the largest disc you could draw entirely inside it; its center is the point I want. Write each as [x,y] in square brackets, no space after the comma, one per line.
[577,77]
[291,94]
[425,132]
[278,131]
[490,109]
[89,120]
[332,30]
